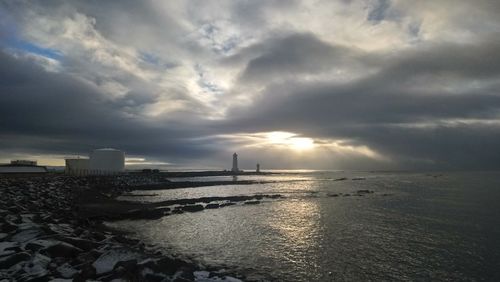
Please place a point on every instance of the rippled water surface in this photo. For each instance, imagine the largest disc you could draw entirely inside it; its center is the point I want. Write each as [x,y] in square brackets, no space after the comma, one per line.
[415,226]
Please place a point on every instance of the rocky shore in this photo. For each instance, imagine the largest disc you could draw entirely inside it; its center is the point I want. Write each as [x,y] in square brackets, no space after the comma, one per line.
[51,230]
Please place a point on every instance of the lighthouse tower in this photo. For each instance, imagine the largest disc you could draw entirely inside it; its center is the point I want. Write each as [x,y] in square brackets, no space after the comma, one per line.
[235,163]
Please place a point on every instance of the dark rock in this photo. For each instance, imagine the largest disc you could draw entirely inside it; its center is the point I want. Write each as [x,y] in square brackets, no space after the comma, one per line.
[153,277]
[87,271]
[11,260]
[212,206]
[227,204]
[186,275]
[333,195]
[83,244]
[252,202]
[128,265]
[365,192]
[39,277]
[340,179]
[8,227]
[193,208]
[62,249]
[165,265]
[88,256]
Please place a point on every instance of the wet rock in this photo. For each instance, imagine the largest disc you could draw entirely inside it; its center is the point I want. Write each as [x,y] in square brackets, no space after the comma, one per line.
[358,178]
[8,261]
[63,228]
[129,265]
[365,192]
[87,272]
[36,267]
[212,206]
[107,261]
[61,249]
[36,245]
[26,235]
[66,271]
[153,277]
[227,204]
[193,208]
[83,244]
[147,214]
[8,227]
[252,202]
[88,256]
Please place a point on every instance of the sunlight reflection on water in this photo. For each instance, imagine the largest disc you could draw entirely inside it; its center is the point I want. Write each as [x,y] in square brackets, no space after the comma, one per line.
[427,229]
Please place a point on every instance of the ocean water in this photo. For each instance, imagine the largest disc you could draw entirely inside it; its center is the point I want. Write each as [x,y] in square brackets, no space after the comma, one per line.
[415,226]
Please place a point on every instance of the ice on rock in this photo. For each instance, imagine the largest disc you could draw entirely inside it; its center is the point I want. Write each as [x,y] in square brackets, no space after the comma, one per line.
[107,261]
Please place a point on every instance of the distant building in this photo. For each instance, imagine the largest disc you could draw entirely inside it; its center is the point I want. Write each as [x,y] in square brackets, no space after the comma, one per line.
[78,167]
[258,168]
[235,163]
[22,166]
[23,162]
[101,162]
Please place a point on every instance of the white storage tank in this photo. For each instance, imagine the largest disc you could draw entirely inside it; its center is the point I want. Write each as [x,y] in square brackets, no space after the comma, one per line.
[107,161]
[79,167]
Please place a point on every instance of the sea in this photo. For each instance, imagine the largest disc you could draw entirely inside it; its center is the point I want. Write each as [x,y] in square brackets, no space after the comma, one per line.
[410,226]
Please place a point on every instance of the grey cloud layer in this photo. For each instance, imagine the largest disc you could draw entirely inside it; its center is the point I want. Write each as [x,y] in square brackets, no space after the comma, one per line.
[151,78]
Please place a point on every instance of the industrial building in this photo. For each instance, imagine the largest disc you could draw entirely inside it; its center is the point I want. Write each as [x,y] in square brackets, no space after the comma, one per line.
[105,161]
[22,166]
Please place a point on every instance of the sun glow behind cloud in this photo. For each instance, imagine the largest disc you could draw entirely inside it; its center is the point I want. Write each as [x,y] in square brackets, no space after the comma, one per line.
[290,140]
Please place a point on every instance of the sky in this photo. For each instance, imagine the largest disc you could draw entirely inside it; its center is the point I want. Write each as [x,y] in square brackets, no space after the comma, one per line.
[347,84]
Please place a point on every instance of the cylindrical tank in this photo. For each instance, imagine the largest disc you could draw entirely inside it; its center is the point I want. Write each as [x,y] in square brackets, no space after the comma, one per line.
[107,161]
[77,166]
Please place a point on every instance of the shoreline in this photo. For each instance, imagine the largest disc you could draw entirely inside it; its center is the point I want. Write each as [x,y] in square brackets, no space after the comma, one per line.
[52,227]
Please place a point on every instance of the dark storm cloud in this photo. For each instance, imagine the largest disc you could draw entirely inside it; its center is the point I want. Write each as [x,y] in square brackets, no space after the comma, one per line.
[55,113]
[390,112]
[295,54]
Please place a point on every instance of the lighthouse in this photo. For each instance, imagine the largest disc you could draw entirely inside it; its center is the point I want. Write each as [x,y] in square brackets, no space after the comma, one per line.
[235,163]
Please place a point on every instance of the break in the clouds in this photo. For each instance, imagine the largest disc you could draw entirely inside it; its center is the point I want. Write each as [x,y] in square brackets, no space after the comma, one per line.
[369,84]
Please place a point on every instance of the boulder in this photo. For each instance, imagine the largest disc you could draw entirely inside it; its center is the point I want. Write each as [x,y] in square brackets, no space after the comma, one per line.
[61,249]
[7,262]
